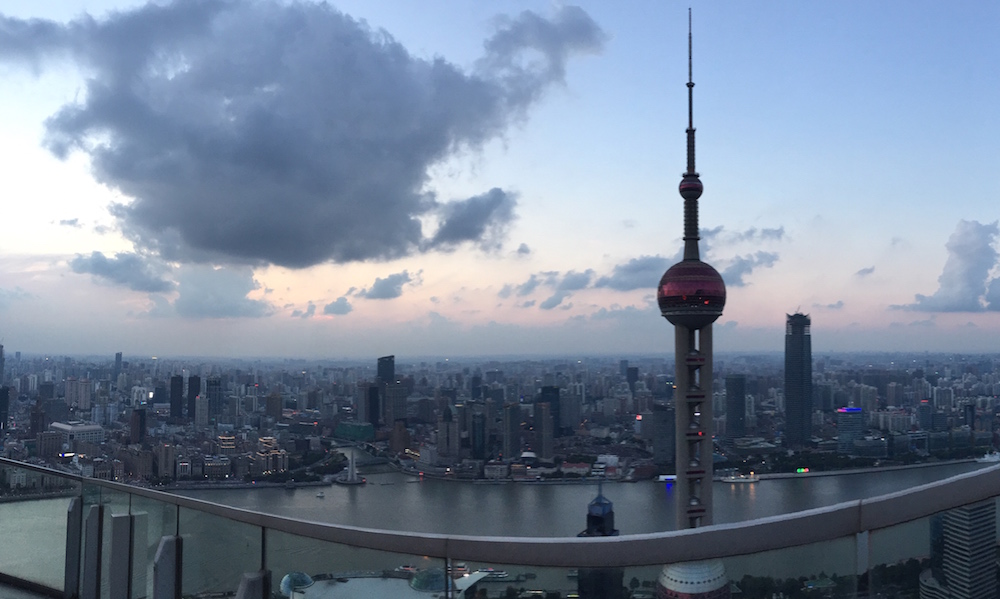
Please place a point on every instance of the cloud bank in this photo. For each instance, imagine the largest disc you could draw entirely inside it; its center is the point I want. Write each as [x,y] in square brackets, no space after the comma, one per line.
[968,282]
[288,133]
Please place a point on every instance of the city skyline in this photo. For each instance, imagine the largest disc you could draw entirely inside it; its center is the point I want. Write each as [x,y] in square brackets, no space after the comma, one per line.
[538,223]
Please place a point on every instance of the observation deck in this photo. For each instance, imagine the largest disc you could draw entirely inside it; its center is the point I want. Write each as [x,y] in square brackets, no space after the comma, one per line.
[68,536]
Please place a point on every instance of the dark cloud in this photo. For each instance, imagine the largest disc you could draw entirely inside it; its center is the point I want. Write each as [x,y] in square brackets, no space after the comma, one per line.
[309,312]
[209,292]
[523,249]
[338,307]
[742,266]
[505,292]
[390,287]
[643,272]
[574,281]
[137,272]
[965,284]
[529,304]
[864,272]
[481,219]
[71,222]
[554,300]
[527,287]
[288,132]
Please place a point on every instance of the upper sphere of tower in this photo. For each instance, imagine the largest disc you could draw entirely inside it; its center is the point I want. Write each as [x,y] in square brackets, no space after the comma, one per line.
[691,294]
[691,187]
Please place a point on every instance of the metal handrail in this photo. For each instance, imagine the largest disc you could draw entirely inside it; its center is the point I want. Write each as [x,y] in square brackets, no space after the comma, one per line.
[710,542]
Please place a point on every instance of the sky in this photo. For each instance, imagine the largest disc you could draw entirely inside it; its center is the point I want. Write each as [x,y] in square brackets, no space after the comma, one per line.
[353,179]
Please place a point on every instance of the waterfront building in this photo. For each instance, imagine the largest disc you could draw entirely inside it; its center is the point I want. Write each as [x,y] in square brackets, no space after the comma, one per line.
[736,406]
[550,394]
[544,432]
[798,380]
[850,428]
[600,583]
[663,437]
[511,431]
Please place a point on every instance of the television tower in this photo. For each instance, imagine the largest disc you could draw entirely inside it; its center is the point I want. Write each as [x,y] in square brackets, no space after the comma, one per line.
[691,296]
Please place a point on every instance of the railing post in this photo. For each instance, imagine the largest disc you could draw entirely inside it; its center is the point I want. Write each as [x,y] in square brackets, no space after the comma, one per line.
[120,563]
[91,584]
[255,585]
[74,535]
[140,561]
[167,568]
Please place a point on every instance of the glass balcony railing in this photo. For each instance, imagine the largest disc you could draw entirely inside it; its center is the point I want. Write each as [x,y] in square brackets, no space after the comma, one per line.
[66,536]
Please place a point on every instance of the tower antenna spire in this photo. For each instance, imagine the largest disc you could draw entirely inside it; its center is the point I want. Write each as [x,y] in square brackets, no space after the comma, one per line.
[691,186]
[690,85]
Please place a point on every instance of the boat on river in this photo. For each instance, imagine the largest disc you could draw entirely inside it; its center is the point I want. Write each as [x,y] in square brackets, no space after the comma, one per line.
[741,478]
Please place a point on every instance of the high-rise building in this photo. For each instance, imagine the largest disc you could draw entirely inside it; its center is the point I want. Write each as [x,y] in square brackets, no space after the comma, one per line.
[600,583]
[394,405]
[798,380]
[386,371]
[544,431]
[137,426]
[511,431]
[664,443]
[963,554]
[4,406]
[213,391]
[550,395]
[736,406]
[691,296]
[177,396]
[194,390]
[118,366]
[478,436]
[850,427]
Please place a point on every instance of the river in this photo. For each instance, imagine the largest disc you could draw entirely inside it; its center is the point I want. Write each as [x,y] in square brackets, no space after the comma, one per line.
[396,501]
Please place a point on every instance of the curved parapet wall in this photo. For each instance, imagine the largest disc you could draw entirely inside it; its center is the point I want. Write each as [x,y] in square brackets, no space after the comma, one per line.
[706,543]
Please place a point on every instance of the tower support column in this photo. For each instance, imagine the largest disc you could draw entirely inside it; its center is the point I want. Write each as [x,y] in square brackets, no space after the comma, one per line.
[693,422]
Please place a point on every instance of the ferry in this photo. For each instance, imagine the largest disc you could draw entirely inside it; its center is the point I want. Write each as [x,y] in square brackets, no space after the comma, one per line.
[991,457]
[741,478]
[493,574]
[320,495]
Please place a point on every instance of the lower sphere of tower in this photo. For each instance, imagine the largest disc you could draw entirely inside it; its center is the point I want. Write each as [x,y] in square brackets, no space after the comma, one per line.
[691,294]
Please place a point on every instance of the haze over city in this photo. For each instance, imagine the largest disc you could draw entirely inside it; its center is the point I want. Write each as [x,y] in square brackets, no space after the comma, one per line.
[358,179]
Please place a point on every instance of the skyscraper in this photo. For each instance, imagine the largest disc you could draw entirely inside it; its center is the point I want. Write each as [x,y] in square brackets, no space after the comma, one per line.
[600,583]
[386,371]
[550,394]
[213,391]
[511,431]
[691,296]
[736,406]
[176,396]
[194,389]
[798,380]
